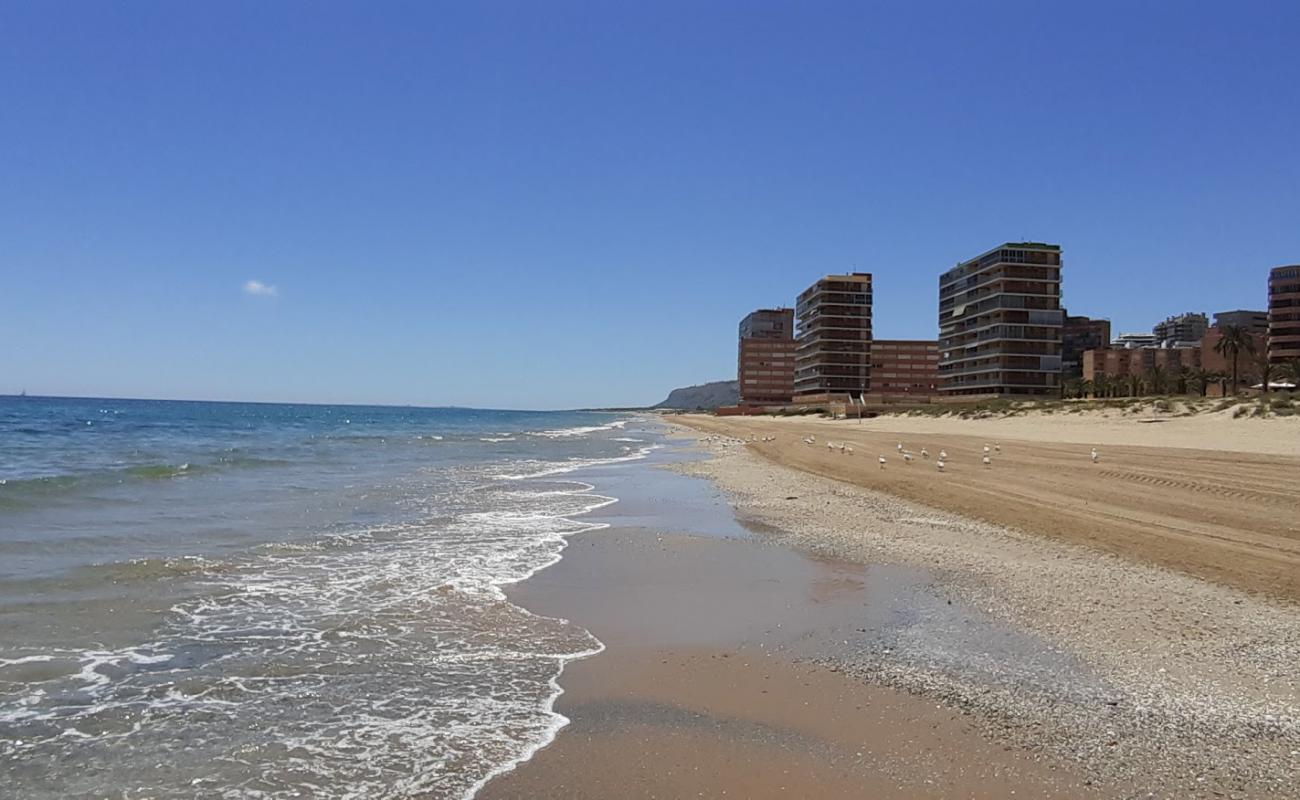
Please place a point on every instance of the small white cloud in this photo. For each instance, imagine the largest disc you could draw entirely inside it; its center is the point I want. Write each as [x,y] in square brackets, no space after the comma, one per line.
[259,289]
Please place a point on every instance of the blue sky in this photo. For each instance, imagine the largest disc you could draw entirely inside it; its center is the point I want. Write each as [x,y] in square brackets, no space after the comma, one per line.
[550,204]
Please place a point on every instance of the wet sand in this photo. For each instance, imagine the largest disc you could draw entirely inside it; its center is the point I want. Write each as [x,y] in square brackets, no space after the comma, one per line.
[847,642]
[709,687]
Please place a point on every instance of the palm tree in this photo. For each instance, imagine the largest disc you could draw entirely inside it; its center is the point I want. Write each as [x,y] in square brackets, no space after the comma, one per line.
[1291,368]
[1199,378]
[1233,341]
[1134,385]
[1181,378]
[1266,369]
[1104,386]
[1220,378]
[1157,377]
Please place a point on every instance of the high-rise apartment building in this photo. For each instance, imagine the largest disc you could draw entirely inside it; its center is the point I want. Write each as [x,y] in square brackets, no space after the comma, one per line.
[833,352]
[1182,329]
[1078,335]
[903,369]
[1249,321]
[1000,322]
[765,363]
[1284,313]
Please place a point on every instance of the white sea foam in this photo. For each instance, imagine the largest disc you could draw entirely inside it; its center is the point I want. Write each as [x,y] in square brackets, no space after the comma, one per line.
[383,661]
[542,469]
[583,430]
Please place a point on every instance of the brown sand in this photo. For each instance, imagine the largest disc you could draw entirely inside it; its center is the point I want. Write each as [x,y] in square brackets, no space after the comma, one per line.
[1231,516]
[703,690]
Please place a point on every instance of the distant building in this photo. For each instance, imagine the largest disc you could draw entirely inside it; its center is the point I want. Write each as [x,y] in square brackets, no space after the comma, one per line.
[1080,334]
[1284,314]
[1113,362]
[1250,321]
[765,363]
[1212,361]
[1182,329]
[1000,323]
[904,368]
[1129,341]
[833,350]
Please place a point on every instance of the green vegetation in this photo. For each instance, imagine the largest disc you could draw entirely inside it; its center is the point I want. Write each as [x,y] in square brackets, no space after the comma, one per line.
[1234,341]
[1279,404]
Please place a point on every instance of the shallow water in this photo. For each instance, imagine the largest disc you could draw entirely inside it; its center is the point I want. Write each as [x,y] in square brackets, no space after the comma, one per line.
[235,600]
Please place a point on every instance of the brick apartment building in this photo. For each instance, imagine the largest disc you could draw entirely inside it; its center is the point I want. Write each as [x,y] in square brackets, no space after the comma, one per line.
[1000,323]
[765,361]
[1249,321]
[833,348]
[903,369]
[1124,362]
[1081,334]
[1212,361]
[1284,314]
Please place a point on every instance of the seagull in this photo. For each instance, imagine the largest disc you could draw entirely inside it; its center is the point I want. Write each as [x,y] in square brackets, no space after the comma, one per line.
[843,447]
[1095,455]
[882,462]
[943,455]
[830,445]
[925,453]
[907,457]
[997,447]
[849,450]
[987,461]
[939,464]
[986,449]
[900,447]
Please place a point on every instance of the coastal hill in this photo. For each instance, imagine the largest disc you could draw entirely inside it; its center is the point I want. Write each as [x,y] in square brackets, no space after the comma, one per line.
[704,396]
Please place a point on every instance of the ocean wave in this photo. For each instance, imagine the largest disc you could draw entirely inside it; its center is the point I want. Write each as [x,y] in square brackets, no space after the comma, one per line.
[371,659]
[144,569]
[26,492]
[537,468]
[581,430]
[496,439]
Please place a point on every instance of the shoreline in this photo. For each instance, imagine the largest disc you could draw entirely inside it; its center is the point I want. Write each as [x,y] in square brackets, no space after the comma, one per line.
[1206,696]
[1075,696]
[709,685]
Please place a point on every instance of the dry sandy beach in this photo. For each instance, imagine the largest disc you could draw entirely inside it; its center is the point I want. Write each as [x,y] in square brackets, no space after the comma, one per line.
[1209,496]
[1043,625]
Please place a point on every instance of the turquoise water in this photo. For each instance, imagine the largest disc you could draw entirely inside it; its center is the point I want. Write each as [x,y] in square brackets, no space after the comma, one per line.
[254,600]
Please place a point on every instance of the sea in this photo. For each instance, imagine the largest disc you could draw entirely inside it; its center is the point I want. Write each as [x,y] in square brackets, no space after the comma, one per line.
[237,600]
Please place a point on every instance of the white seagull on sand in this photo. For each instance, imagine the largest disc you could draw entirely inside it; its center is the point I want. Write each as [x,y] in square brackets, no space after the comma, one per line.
[882,462]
